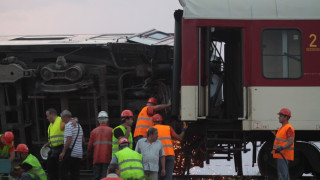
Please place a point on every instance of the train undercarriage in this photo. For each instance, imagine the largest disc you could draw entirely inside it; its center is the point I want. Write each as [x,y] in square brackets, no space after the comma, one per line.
[82,77]
[200,147]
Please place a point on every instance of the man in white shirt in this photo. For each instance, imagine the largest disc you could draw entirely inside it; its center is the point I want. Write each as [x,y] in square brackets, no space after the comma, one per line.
[72,152]
[152,150]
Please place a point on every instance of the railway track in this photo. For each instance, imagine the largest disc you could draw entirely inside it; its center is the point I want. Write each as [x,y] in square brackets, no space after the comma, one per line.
[86,175]
[220,177]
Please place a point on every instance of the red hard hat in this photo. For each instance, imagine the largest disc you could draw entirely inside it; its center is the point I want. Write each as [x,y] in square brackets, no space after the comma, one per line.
[22,148]
[123,140]
[127,113]
[285,111]
[157,118]
[8,137]
[152,100]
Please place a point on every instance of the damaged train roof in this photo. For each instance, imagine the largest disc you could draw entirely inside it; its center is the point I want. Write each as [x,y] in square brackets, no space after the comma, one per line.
[151,37]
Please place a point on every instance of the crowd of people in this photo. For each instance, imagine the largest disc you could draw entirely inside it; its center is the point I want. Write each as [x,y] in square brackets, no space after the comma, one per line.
[112,149]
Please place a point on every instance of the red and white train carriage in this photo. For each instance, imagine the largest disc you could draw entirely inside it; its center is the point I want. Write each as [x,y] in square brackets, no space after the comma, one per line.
[241,62]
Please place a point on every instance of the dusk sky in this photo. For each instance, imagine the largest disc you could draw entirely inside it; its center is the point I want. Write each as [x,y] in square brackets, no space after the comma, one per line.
[35,17]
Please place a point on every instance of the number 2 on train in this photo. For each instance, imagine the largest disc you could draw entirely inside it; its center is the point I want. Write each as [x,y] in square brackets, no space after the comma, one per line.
[314,38]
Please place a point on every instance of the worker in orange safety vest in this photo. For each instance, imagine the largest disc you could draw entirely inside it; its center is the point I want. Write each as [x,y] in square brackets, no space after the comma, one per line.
[100,143]
[165,135]
[284,144]
[144,121]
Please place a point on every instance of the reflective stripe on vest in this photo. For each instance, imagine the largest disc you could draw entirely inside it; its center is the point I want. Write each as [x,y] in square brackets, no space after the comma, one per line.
[130,163]
[275,147]
[36,167]
[281,140]
[115,141]
[143,126]
[164,136]
[55,134]
[145,118]
[131,168]
[129,160]
[144,122]
[4,153]
[168,146]
[102,142]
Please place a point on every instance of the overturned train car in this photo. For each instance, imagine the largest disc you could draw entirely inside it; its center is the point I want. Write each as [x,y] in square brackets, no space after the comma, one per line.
[82,73]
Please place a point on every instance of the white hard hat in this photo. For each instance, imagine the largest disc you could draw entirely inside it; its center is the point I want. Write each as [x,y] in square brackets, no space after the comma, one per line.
[44,152]
[103,114]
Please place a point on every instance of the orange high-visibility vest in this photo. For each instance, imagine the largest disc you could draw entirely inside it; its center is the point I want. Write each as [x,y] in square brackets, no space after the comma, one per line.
[144,122]
[281,140]
[164,136]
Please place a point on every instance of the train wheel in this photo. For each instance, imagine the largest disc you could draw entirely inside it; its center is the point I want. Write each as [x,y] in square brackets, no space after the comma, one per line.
[268,166]
[297,167]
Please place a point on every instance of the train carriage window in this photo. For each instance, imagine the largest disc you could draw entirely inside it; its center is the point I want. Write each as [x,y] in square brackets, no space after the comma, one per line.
[281,53]
[158,35]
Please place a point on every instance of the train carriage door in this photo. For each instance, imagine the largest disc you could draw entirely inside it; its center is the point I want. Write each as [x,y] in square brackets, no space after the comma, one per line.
[222,54]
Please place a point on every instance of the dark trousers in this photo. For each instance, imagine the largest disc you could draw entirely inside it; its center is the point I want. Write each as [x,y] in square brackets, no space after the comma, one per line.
[283,171]
[26,176]
[72,166]
[169,168]
[99,171]
[53,168]
[53,164]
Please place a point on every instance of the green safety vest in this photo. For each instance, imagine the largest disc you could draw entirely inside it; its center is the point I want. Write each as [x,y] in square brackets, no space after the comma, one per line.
[115,141]
[55,134]
[130,163]
[4,153]
[36,172]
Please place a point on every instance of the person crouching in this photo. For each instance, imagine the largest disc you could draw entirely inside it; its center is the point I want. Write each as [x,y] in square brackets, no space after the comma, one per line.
[30,167]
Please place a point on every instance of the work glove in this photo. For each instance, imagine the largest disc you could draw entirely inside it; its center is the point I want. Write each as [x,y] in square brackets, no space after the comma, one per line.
[279,149]
[185,127]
